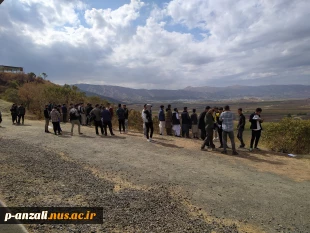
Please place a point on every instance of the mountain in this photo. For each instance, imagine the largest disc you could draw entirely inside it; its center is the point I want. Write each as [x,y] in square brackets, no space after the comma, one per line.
[131,95]
[109,99]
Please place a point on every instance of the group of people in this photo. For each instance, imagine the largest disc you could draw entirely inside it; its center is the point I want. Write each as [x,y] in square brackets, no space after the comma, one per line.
[212,124]
[18,113]
[79,115]
[217,122]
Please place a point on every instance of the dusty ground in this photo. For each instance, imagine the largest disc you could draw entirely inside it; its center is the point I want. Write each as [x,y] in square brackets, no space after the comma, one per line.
[165,186]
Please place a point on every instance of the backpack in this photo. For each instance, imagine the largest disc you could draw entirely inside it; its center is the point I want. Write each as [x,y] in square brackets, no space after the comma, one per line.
[73,115]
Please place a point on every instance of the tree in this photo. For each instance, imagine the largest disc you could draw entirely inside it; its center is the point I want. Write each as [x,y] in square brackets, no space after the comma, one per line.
[44,75]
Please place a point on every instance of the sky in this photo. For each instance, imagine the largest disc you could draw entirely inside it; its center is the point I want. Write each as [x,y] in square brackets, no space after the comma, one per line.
[159,44]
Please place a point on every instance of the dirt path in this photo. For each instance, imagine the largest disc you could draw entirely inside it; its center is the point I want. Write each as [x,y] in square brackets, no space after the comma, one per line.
[165,186]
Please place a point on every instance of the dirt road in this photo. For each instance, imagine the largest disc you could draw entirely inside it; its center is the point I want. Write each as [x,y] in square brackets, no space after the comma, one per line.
[165,186]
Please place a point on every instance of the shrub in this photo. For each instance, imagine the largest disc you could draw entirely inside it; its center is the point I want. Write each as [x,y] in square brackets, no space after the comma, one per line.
[288,136]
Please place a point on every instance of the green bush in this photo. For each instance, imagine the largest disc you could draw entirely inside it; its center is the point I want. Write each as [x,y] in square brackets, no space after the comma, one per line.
[288,136]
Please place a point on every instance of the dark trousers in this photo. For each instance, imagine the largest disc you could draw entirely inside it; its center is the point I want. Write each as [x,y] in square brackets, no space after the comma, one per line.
[148,126]
[255,137]
[64,117]
[107,124]
[220,132]
[203,134]
[22,116]
[185,130]
[121,123]
[169,131]
[209,139]
[99,124]
[56,127]
[240,136]
[59,128]
[14,118]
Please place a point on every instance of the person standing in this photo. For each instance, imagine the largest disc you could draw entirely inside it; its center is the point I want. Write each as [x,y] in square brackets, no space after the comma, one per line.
[209,126]
[256,127]
[168,120]
[83,114]
[88,110]
[162,120]
[121,118]
[47,118]
[0,118]
[176,122]
[126,114]
[194,120]
[144,120]
[201,123]
[148,122]
[55,116]
[219,126]
[227,118]
[111,111]
[74,118]
[107,121]
[64,113]
[240,127]
[96,112]
[14,113]
[21,113]
[186,123]
[215,130]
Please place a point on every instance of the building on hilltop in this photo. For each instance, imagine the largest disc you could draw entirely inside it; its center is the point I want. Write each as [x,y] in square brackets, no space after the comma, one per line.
[11,69]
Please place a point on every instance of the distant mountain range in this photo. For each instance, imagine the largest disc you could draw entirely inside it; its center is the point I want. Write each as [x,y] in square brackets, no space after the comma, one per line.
[130,95]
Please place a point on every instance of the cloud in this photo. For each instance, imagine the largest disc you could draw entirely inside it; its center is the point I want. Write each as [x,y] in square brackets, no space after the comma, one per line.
[249,42]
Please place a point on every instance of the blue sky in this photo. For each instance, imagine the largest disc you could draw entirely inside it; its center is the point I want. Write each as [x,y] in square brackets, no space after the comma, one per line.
[159,44]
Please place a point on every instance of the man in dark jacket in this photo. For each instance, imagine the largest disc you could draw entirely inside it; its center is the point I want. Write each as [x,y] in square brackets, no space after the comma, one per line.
[121,118]
[186,123]
[21,113]
[64,111]
[47,118]
[148,122]
[240,127]
[209,126]
[162,120]
[14,113]
[96,112]
[88,116]
[194,121]
[201,123]
[106,119]
[256,127]
[168,120]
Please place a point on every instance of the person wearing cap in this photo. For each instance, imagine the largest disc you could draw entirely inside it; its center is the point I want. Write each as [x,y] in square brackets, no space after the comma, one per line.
[227,118]
[240,127]
[176,122]
[168,120]
[256,127]
[161,119]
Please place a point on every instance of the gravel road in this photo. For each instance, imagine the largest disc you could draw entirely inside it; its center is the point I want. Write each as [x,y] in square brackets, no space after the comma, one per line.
[164,186]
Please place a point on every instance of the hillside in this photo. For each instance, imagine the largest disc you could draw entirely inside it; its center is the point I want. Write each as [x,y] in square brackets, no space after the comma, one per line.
[269,92]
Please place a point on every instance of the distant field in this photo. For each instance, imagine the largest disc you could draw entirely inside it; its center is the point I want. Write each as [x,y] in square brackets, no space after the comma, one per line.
[273,111]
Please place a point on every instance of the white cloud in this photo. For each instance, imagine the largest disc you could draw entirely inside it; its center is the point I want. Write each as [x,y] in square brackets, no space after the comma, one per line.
[245,41]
